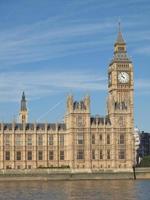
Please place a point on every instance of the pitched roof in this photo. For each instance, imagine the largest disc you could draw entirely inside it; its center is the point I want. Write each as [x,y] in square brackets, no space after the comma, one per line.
[120,39]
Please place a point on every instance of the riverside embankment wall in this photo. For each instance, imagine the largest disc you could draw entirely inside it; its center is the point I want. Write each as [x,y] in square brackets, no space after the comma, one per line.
[66,174]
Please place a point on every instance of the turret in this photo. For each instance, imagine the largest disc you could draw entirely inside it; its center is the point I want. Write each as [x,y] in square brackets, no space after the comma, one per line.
[77,109]
[82,106]
[23,115]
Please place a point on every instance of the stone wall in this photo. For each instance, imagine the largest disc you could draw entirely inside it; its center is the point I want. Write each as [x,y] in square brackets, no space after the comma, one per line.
[67,174]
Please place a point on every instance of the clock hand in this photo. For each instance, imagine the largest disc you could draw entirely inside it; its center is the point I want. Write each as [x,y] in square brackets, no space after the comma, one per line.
[123,76]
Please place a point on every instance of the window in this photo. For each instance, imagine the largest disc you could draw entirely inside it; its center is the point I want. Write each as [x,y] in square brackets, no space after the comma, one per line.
[29,155]
[121,48]
[93,154]
[108,139]
[61,155]
[7,155]
[8,167]
[29,140]
[51,155]
[18,141]
[121,154]
[93,139]
[7,139]
[50,140]
[40,155]
[29,166]
[108,154]
[100,137]
[101,154]
[121,139]
[40,140]
[62,140]
[80,138]
[80,154]
[18,155]
[23,118]
[79,121]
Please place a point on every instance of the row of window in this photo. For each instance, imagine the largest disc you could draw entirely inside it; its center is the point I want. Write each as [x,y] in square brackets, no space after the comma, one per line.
[80,155]
[30,155]
[29,140]
[108,154]
[40,141]
[123,65]
[80,139]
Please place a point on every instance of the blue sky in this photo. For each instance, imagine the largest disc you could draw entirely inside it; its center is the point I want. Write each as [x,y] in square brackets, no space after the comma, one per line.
[52,48]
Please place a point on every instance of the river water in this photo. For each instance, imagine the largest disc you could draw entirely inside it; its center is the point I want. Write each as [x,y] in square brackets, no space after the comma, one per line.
[75,190]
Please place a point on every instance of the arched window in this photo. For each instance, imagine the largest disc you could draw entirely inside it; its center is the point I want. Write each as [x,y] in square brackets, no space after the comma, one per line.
[101,137]
[122,154]
[93,154]
[108,139]
[80,138]
[121,139]
[101,154]
[93,139]
[108,154]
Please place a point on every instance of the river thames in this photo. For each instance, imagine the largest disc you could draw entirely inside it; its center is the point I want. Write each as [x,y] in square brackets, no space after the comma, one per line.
[75,190]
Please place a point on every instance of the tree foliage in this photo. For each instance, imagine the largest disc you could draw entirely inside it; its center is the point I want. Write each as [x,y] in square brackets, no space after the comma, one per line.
[145,162]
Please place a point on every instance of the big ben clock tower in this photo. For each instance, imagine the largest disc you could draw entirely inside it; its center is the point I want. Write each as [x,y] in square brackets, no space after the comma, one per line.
[120,103]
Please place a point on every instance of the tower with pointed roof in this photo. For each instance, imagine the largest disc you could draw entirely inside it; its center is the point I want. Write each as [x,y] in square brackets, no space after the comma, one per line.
[23,115]
[120,102]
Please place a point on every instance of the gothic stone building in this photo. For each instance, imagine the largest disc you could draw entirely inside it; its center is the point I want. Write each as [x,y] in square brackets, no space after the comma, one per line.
[82,142]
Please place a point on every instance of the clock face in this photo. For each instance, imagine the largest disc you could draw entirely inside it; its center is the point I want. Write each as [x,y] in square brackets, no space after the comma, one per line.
[123,77]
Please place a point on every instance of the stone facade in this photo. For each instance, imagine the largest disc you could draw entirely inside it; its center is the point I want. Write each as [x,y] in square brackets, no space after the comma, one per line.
[82,142]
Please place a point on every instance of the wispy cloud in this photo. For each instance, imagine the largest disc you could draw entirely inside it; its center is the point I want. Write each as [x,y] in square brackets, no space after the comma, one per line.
[142,84]
[45,40]
[40,84]
[143,50]
[46,83]
[142,87]
[58,37]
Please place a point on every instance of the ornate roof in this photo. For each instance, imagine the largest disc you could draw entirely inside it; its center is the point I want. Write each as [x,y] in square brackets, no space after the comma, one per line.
[120,54]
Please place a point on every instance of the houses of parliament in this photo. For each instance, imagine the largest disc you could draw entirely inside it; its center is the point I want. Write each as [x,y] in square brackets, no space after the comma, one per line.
[82,142]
